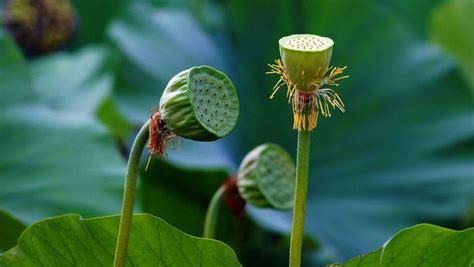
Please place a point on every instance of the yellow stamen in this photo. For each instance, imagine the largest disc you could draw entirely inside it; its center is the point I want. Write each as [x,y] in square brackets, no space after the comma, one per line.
[307,105]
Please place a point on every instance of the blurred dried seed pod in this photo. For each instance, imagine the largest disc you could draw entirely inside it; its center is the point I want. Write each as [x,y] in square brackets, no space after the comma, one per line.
[40,26]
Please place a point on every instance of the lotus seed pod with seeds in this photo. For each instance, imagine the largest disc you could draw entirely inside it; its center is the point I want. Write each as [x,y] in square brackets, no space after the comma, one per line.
[306,58]
[266,177]
[40,26]
[200,103]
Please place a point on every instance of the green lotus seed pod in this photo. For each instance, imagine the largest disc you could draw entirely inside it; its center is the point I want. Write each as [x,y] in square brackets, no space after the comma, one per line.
[40,26]
[306,58]
[266,177]
[200,103]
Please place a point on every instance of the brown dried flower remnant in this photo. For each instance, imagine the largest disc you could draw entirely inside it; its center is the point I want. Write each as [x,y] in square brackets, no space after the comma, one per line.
[159,135]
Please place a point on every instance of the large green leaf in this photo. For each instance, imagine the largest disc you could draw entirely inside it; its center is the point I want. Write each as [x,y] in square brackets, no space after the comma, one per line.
[10,230]
[448,28]
[15,82]
[371,259]
[76,82]
[71,241]
[56,157]
[421,245]
[88,91]
[157,44]
[94,17]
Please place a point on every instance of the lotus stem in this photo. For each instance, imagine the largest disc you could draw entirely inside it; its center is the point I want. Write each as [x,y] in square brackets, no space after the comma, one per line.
[129,196]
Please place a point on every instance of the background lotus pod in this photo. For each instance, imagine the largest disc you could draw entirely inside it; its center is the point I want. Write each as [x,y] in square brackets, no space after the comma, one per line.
[200,103]
[306,58]
[266,177]
[40,26]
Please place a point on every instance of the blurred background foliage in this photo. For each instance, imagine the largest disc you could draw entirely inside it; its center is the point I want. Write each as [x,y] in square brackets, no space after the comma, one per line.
[402,154]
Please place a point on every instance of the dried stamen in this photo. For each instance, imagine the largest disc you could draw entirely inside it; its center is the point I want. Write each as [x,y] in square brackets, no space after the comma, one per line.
[304,110]
[307,105]
[159,135]
[280,70]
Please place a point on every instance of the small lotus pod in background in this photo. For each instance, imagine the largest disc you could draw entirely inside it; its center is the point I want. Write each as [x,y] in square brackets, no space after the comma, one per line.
[40,26]
[266,177]
[306,58]
[200,103]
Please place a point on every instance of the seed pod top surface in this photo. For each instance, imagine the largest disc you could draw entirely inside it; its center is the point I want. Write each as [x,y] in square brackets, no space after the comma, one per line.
[200,103]
[306,58]
[266,177]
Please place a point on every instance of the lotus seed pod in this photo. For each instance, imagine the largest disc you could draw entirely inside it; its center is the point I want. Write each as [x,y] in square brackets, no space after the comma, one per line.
[306,58]
[266,177]
[40,26]
[200,103]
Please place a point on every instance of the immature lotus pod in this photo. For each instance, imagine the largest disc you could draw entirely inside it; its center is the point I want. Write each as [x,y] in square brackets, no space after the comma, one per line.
[266,177]
[200,103]
[306,59]
[40,26]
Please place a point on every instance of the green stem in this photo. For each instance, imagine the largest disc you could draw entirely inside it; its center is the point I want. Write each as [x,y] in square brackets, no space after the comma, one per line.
[129,196]
[301,191]
[210,224]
